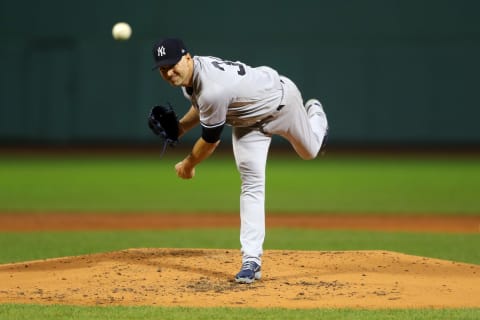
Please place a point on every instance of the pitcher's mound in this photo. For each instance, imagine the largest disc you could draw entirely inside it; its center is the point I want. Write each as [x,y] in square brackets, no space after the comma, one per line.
[204,278]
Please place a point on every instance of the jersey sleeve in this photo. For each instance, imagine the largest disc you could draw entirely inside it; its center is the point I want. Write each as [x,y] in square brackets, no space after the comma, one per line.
[213,106]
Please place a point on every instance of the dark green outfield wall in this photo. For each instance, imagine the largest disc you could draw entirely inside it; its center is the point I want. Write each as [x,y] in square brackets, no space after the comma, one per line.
[387,71]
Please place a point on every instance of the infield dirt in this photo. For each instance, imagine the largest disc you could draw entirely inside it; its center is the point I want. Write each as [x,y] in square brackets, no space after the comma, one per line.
[204,277]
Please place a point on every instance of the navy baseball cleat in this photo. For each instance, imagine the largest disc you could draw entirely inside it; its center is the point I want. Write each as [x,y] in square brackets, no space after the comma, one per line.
[250,272]
[317,107]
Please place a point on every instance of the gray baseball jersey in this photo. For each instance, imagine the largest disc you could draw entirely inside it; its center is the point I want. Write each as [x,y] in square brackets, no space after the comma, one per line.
[233,93]
[247,98]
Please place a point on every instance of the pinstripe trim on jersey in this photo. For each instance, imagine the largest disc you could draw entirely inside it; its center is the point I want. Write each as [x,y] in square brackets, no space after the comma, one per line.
[211,126]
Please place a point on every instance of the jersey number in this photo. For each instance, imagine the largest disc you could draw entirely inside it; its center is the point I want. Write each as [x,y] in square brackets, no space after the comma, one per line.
[241,67]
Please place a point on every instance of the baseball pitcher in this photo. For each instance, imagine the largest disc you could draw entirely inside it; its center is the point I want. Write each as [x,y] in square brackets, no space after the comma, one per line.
[257,103]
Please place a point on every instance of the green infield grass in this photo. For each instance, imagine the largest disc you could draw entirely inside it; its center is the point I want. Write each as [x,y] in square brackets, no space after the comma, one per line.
[21,312]
[354,185]
[388,185]
[22,246]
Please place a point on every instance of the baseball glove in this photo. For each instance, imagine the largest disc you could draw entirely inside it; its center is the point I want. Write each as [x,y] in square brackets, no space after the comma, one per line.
[163,122]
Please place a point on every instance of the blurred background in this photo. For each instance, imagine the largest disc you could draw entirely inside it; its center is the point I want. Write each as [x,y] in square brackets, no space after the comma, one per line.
[390,73]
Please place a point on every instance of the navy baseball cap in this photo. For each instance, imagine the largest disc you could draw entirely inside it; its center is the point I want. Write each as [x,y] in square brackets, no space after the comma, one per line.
[168,52]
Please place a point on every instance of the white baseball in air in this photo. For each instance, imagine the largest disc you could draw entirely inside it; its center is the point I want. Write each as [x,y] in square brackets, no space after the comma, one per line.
[121,31]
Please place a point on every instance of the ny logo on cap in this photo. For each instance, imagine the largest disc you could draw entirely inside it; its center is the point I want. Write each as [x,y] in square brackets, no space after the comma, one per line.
[161,51]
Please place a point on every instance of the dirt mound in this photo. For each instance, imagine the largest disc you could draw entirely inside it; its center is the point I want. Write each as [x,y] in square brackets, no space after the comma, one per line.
[204,278]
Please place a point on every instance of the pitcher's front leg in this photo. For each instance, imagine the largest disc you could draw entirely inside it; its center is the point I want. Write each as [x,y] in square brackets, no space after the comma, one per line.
[250,150]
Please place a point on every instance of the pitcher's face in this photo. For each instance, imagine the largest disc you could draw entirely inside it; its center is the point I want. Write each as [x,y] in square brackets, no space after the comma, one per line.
[179,74]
